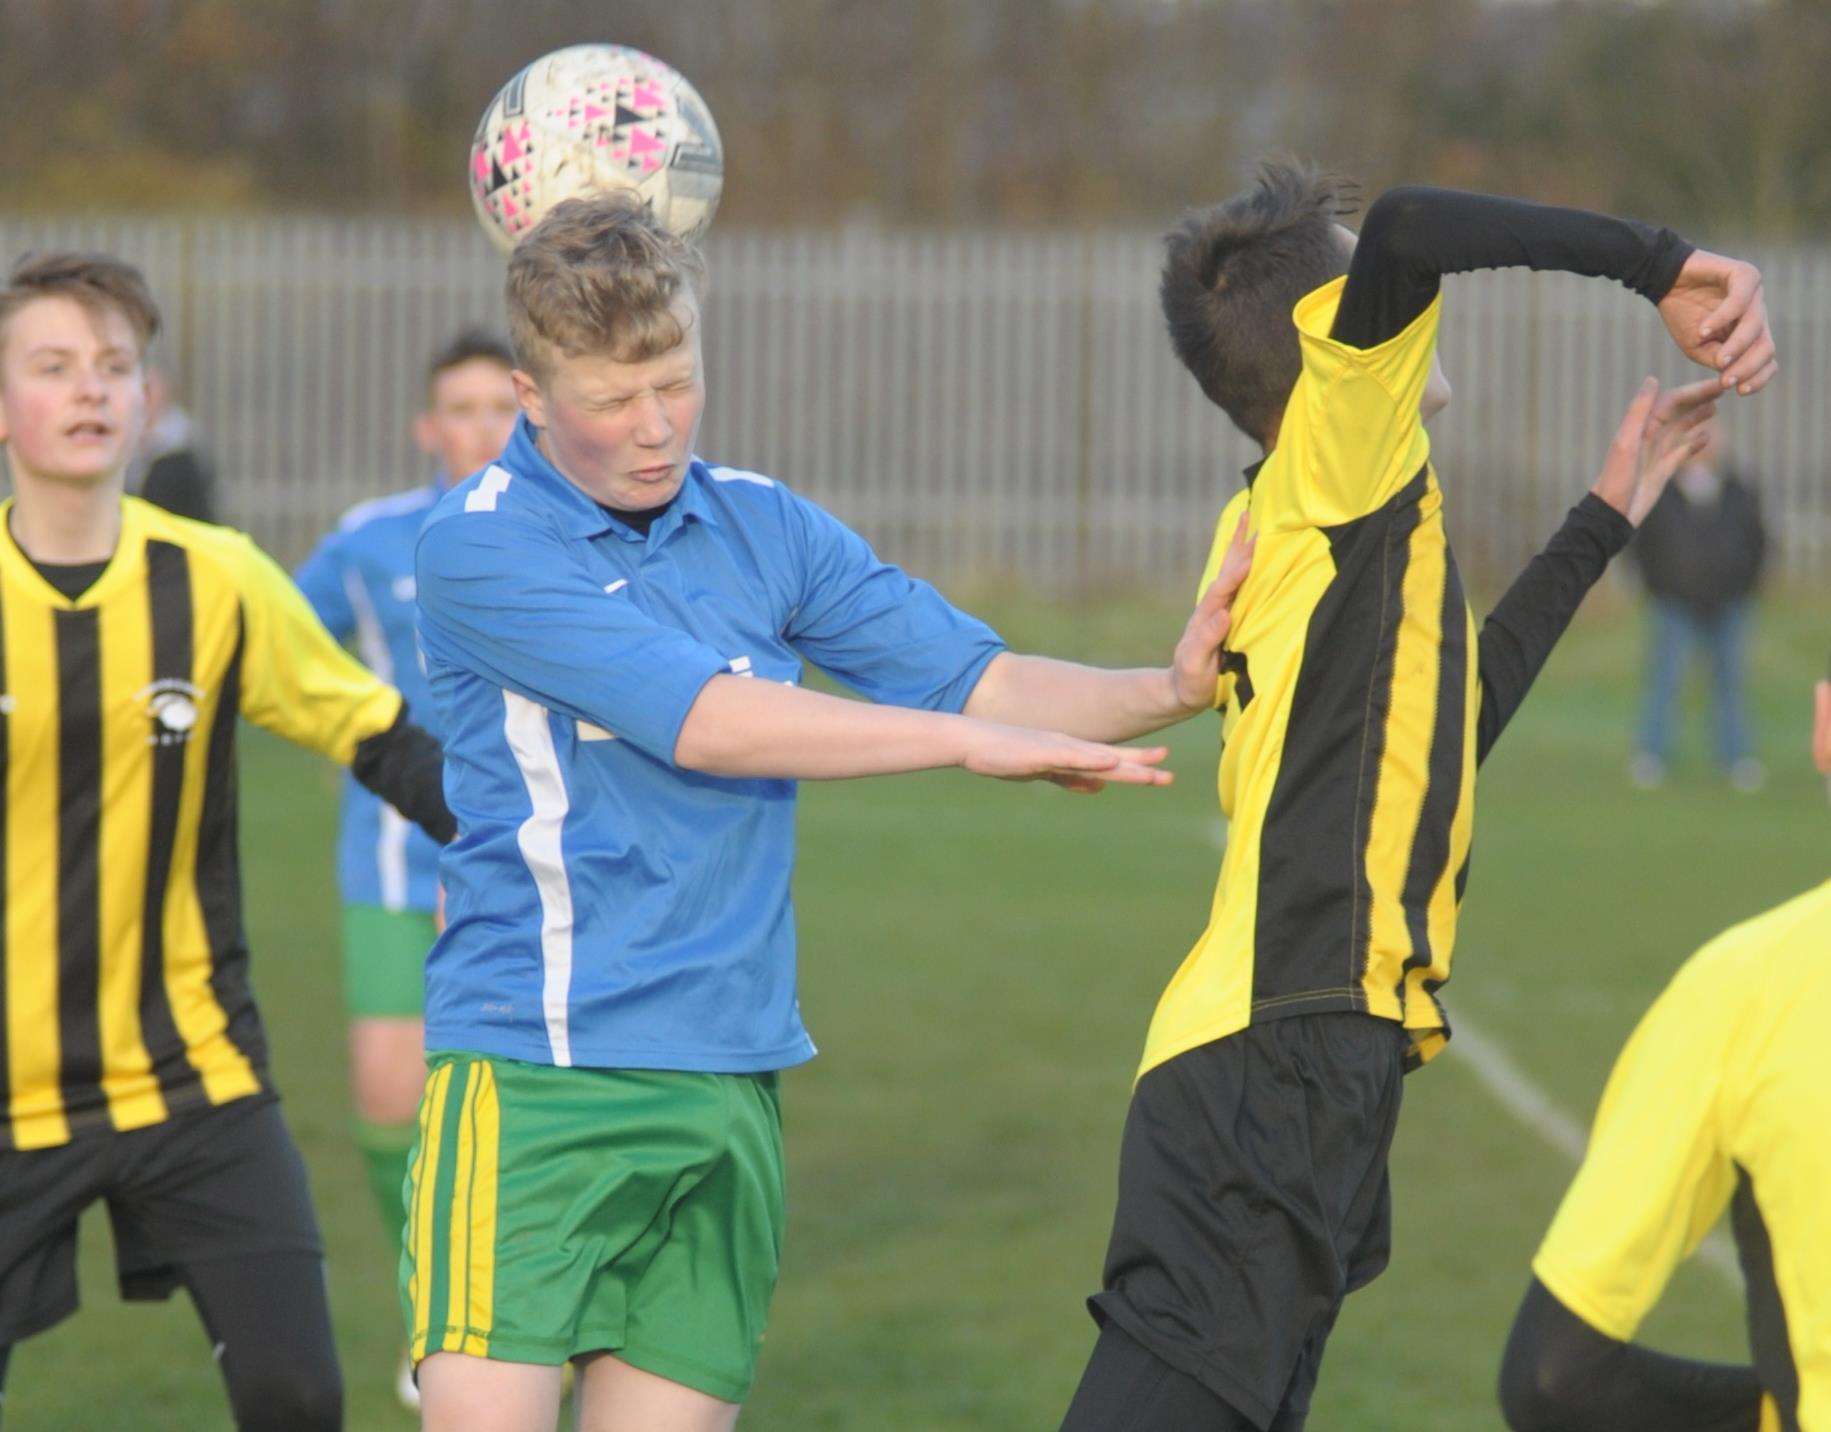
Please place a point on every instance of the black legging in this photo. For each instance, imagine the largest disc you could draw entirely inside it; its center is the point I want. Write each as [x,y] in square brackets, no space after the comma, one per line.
[1128,1389]
[268,1319]
[271,1320]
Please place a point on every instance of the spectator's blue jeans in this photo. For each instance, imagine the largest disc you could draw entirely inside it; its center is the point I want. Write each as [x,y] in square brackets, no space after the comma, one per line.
[1674,630]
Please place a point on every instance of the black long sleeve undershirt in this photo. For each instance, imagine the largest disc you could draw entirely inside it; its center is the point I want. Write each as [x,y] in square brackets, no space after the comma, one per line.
[1517,638]
[1560,1375]
[1415,234]
[404,766]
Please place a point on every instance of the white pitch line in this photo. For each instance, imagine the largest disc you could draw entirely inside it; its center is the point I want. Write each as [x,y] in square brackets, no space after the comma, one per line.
[1522,1097]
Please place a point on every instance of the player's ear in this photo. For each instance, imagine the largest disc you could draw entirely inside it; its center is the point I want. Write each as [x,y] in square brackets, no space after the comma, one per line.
[527,393]
[424,436]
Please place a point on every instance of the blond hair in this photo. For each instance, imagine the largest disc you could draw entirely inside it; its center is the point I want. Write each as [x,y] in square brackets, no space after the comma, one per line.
[601,277]
[98,282]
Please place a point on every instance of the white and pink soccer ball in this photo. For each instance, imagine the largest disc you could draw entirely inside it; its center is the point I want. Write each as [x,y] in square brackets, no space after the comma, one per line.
[589,119]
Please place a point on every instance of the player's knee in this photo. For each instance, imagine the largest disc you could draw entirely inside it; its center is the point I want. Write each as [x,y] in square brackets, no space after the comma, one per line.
[280,1398]
[388,1102]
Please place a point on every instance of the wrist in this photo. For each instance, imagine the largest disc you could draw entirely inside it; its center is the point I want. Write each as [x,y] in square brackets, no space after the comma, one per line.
[960,736]
[1172,702]
[1611,521]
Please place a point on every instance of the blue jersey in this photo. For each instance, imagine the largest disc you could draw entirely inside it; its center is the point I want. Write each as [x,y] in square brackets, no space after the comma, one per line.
[607,908]
[360,582]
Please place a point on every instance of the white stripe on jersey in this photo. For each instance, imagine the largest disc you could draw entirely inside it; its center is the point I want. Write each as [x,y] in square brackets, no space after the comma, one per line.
[391,857]
[483,496]
[531,742]
[369,636]
[736,474]
[414,499]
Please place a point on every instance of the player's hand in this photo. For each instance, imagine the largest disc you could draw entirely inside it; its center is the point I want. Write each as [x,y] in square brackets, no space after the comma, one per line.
[1718,317]
[1016,753]
[1196,666]
[1658,434]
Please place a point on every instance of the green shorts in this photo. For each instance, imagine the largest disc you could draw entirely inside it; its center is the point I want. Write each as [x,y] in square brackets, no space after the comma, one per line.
[384,961]
[553,1212]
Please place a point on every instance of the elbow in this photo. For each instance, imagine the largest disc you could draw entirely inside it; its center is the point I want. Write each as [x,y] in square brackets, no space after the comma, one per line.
[1398,220]
[1532,1397]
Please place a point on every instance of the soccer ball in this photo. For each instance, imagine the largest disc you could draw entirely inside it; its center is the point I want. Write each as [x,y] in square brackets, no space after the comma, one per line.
[590,119]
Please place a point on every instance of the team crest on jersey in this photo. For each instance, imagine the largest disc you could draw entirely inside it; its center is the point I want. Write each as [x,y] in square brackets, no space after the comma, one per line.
[172,703]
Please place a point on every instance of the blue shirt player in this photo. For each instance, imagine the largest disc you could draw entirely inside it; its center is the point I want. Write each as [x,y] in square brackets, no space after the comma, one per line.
[614,631]
[360,582]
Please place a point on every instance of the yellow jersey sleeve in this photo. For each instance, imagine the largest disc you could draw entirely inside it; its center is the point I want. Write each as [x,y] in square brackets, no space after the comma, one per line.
[1658,1172]
[296,680]
[1352,435]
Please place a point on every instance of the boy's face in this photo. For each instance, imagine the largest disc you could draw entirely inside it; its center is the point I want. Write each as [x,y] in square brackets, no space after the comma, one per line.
[469,416]
[72,391]
[622,431]
[1436,386]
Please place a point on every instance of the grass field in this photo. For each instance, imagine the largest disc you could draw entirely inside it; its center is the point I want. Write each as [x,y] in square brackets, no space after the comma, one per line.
[978,965]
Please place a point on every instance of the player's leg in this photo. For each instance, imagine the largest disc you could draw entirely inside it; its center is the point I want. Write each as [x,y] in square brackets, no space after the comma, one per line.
[42,1194]
[1727,636]
[1361,1209]
[615,1396]
[384,960]
[216,1201]
[1240,1165]
[270,1326]
[698,1303]
[464,1393]
[1127,1388]
[1665,670]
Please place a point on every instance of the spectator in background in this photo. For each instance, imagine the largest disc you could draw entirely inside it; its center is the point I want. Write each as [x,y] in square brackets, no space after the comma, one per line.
[171,470]
[1700,552]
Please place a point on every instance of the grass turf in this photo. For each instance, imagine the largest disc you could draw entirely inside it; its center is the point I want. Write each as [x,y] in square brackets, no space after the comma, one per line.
[978,964]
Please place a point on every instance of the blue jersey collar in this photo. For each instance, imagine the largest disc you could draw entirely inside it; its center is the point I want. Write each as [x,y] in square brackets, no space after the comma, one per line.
[580,512]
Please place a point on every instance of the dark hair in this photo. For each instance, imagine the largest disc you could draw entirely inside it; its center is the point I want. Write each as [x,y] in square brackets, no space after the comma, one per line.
[598,276]
[96,281]
[1231,276]
[467,347]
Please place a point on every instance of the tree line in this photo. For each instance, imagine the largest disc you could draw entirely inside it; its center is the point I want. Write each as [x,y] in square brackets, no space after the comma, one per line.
[1713,113]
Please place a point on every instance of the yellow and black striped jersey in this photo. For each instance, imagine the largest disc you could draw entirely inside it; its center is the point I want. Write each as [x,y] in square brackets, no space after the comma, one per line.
[1721,1099]
[123,965]
[1349,699]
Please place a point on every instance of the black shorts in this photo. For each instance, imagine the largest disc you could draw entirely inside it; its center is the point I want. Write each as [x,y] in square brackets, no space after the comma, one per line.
[1253,1197]
[210,1183]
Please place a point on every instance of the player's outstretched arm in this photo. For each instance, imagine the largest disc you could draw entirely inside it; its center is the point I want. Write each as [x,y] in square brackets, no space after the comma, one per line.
[1413,235]
[1655,437]
[1560,1375]
[1103,705]
[747,728]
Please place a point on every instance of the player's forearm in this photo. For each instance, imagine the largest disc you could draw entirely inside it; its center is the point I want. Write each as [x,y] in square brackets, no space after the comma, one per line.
[743,727]
[1561,1375]
[405,767]
[1091,702]
[1519,634]
[1413,235]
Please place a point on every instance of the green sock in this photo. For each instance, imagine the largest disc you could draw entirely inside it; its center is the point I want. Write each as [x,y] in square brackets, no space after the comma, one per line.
[385,1148]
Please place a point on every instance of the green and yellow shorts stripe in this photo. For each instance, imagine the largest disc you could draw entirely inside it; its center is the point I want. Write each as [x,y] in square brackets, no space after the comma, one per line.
[553,1212]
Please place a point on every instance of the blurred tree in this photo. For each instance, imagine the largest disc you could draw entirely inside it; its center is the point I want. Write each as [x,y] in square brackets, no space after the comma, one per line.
[935,111]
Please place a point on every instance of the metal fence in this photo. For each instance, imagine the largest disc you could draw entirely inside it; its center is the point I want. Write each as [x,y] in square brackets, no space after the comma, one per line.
[996,405]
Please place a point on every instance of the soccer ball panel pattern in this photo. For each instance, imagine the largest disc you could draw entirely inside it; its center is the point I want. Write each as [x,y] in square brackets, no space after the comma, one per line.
[590,119]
